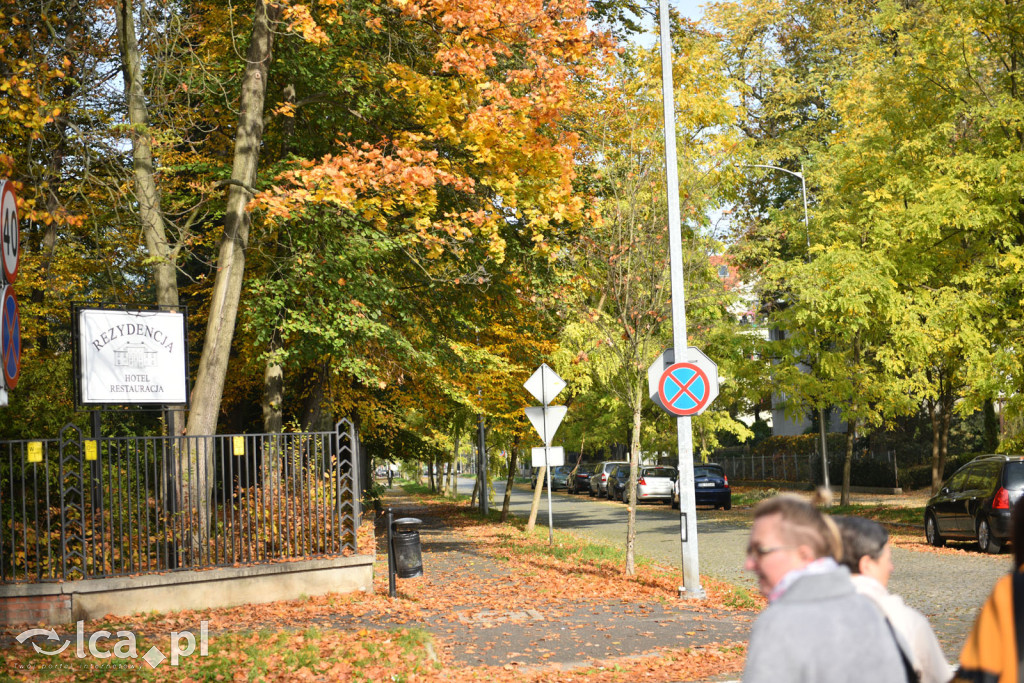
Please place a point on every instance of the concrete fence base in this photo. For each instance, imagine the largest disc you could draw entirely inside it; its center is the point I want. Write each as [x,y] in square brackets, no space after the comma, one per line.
[52,604]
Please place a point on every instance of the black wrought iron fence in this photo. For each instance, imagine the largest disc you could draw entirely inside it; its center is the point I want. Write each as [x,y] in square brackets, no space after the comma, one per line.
[783,467]
[77,507]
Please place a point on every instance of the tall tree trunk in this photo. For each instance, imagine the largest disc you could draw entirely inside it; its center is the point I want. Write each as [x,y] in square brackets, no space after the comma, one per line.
[851,432]
[938,465]
[512,458]
[227,287]
[162,253]
[273,388]
[213,363]
[154,230]
[634,465]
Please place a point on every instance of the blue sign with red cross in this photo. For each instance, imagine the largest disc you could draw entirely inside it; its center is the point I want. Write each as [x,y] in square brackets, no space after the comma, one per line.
[10,338]
[684,389]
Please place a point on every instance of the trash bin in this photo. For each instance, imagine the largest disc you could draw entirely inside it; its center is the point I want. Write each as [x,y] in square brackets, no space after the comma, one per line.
[406,540]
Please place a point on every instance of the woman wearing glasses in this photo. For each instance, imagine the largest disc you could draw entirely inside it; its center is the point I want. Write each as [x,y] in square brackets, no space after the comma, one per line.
[816,626]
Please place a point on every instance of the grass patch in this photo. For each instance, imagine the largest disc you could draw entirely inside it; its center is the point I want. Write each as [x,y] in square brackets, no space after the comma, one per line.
[741,598]
[884,514]
[751,497]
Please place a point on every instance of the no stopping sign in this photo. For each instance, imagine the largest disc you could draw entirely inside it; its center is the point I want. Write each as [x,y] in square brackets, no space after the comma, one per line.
[10,337]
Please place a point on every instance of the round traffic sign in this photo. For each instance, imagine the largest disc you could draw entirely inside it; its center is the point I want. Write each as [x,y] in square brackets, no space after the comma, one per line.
[684,389]
[10,337]
[10,233]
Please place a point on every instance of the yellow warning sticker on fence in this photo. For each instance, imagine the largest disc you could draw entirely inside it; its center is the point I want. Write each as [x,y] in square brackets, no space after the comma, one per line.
[239,445]
[90,449]
[35,451]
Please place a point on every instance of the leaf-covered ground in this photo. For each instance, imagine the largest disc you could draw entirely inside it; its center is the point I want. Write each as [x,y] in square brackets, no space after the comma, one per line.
[359,637]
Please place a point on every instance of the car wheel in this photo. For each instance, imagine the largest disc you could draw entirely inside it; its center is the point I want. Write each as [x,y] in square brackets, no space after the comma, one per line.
[987,542]
[675,503]
[931,531]
[727,506]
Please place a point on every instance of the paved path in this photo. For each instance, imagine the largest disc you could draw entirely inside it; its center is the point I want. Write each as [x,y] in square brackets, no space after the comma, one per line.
[947,587]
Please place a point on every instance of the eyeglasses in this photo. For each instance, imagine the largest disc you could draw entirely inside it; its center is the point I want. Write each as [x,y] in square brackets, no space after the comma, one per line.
[759,551]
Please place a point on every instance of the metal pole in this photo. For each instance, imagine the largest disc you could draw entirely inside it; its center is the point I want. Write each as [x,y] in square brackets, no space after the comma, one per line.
[547,445]
[391,555]
[687,505]
[482,465]
[807,233]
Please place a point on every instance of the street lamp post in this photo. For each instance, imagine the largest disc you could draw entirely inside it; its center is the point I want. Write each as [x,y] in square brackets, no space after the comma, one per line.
[807,232]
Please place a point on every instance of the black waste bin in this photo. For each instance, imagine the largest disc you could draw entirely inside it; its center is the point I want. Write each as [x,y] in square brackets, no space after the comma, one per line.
[408,559]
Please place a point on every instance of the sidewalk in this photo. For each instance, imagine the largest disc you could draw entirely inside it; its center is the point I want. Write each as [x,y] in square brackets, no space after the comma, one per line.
[496,613]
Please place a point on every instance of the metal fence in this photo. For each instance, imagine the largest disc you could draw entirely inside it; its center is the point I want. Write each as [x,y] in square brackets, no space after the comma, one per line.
[783,467]
[77,507]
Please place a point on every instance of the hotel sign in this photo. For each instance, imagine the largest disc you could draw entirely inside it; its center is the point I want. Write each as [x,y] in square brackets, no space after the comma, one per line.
[132,357]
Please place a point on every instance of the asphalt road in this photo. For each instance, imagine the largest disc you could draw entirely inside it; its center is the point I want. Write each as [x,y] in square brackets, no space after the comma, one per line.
[947,587]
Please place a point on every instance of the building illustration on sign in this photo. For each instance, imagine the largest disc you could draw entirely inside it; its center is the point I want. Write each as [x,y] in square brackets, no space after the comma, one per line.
[135,355]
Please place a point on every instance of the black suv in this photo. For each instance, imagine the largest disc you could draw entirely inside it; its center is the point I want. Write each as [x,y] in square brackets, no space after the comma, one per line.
[975,503]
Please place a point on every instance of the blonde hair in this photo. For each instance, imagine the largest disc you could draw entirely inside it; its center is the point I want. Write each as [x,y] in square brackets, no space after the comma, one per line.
[803,524]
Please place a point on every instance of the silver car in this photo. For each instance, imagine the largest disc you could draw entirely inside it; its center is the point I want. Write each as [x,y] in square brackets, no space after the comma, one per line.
[599,477]
[656,483]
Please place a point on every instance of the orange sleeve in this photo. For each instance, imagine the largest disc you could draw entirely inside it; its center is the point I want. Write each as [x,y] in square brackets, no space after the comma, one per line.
[990,653]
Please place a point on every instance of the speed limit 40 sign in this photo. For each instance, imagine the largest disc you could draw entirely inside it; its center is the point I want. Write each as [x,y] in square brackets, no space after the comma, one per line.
[10,234]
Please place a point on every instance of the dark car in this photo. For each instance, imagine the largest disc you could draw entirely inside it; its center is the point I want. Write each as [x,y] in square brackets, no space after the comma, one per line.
[975,502]
[558,477]
[579,482]
[710,486]
[618,481]
[599,477]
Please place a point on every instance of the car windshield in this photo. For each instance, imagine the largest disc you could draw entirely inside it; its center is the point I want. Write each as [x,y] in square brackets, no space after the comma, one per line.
[659,472]
[705,471]
[1014,475]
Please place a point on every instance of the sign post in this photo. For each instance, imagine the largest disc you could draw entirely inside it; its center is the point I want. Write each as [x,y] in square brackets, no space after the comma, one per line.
[545,384]
[10,321]
[687,505]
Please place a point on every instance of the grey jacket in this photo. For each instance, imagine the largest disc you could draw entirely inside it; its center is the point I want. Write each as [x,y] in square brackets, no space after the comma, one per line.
[822,631]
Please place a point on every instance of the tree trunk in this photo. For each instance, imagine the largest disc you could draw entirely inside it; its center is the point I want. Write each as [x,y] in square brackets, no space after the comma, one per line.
[535,505]
[851,431]
[154,231]
[273,388]
[162,253]
[227,288]
[938,464]
[634,465]
[512,458]
[991,426]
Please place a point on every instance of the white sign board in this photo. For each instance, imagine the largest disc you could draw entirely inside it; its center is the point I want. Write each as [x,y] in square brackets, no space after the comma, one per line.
[544,384]
[555,456]
[546,420]
[132,357]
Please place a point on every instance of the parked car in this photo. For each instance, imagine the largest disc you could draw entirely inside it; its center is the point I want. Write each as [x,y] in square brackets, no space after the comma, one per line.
[580,482]
[599,477]
[975,502]
[653,483]
[559,474]
[710,486]
[656,483]
[618,480]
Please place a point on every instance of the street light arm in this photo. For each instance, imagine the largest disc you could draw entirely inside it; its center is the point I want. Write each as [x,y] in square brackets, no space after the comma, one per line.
[798,174]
